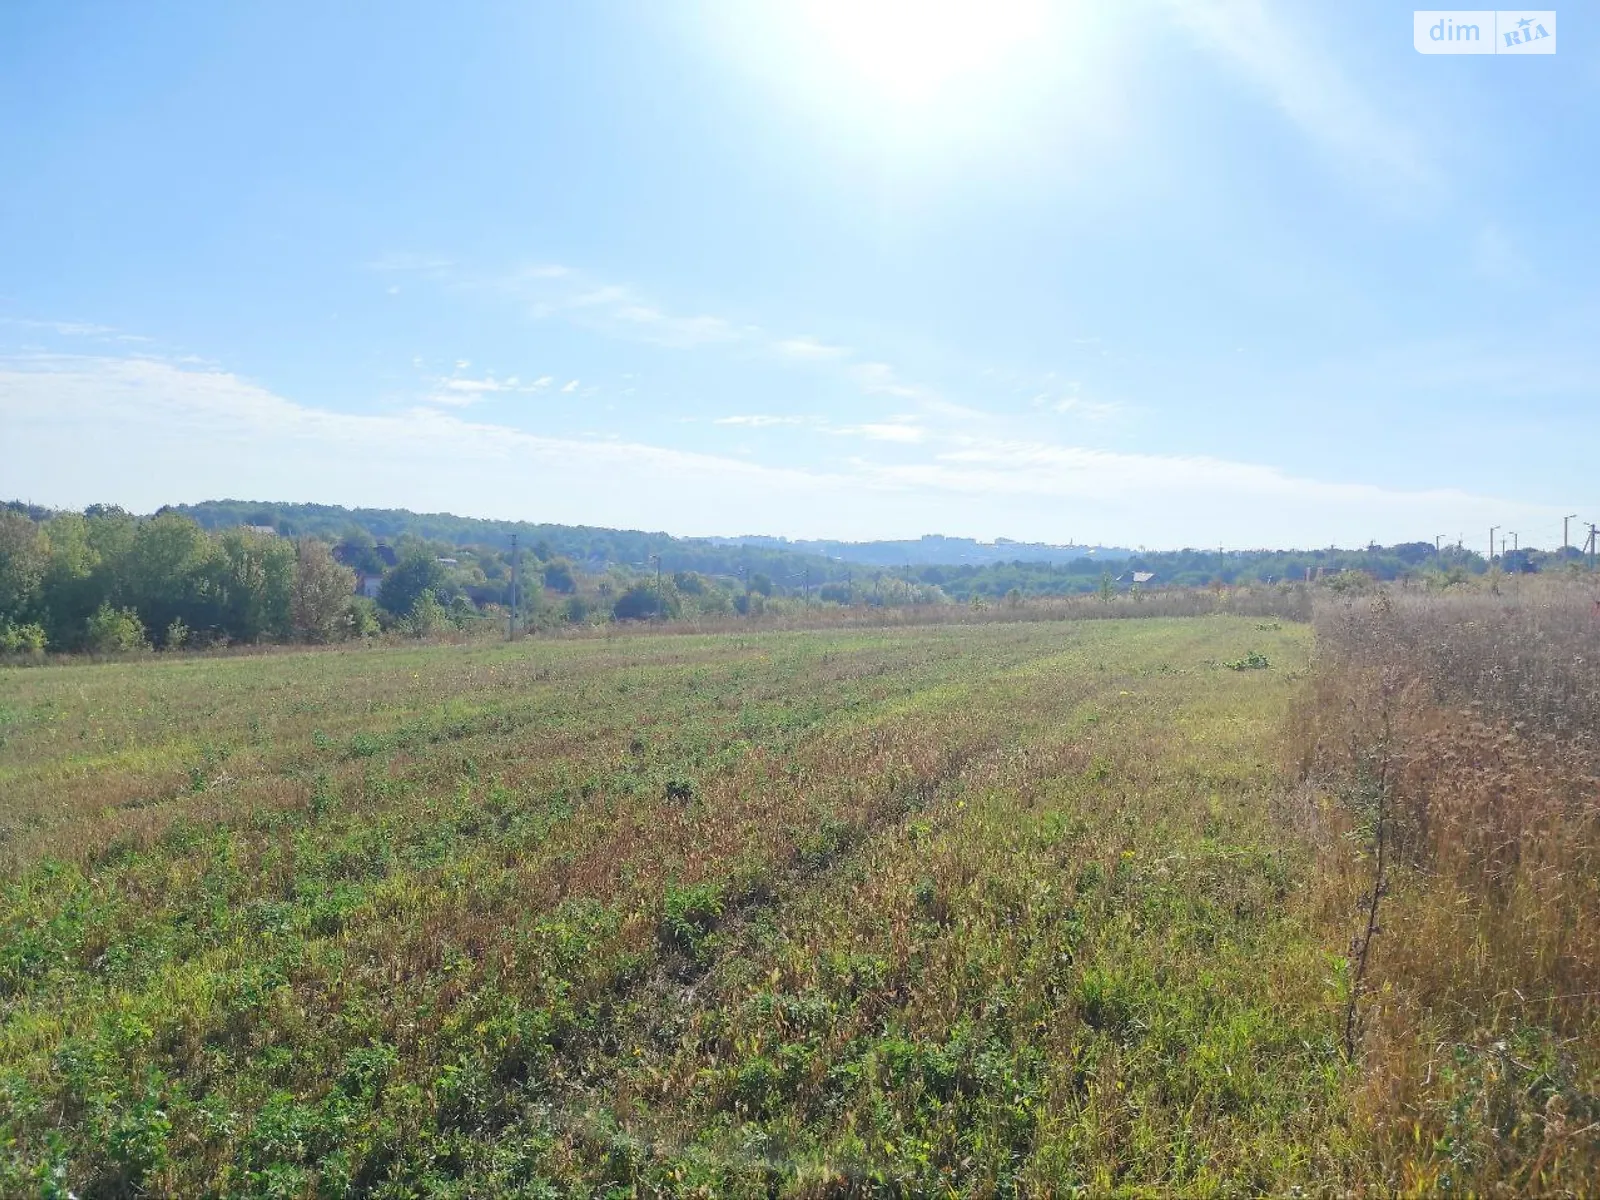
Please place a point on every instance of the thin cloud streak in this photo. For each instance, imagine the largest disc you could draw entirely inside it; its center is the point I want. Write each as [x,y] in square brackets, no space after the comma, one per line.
[146,432]
[622,311]
[1373,148]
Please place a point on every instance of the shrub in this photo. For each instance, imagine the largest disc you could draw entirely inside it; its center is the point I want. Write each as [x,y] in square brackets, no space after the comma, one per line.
[361,617]
[427,616]
[463,613]
[1254,661]
[115,631]
[640,602]
[21,639]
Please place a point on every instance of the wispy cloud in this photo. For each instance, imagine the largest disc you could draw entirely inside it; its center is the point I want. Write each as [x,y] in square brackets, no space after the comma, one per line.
[428,264]
[145,432]
[1372,147]
[148,418]
[885,431]
[757,420]
[621,310]
[809,349]
[73,329]
[1072,404]
[880,379]
[459,392]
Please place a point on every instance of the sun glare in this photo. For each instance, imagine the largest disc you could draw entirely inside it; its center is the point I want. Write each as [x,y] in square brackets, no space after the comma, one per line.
[912,49]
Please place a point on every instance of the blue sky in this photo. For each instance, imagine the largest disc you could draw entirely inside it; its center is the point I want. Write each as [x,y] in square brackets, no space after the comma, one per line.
[1144,273]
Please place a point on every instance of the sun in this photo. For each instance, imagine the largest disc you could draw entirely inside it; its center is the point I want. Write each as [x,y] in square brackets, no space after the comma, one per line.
[911,50]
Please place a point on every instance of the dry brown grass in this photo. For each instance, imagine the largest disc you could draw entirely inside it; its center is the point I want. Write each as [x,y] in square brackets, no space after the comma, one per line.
[1479,1015]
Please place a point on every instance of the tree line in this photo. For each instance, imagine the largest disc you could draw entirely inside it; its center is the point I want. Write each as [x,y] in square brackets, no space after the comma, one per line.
[105,580]
[591,548]
[1203,568]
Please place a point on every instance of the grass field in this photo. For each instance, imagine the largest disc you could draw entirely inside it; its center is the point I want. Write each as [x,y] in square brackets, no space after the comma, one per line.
[982,907]
[991,909]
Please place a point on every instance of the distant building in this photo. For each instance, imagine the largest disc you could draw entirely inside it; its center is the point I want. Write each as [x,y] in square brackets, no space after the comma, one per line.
[264,530]
[447,562]
[367,584]
[1137,578]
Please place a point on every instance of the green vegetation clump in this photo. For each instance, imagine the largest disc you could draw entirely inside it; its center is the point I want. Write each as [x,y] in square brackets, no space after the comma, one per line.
[1253,661]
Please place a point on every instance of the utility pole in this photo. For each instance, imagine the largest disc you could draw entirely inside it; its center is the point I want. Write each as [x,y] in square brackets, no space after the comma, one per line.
[1492,529]
[1564,521]
[516,589]
[1594,536]
[1438,540]
[660,612]
[1514,543]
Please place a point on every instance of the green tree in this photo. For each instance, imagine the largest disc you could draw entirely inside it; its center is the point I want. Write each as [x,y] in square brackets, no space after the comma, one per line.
[358,550]
[321,589]
[419,571]
[558,577]
[639,602]
[255,577]
[74,582]
[24,554]
[162,572]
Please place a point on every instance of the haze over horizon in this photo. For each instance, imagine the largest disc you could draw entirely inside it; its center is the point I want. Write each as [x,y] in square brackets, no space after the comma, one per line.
[1164,274]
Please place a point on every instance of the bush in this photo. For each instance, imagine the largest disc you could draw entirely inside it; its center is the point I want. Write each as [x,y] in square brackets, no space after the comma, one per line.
[115,631]
[463,613]
[427,616]
[639,602]
[361,617]
[21,639]
[557,577]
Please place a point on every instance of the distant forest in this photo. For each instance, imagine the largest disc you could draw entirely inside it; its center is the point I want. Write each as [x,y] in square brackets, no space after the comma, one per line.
[225,571]
[1032,569]
[585,545]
